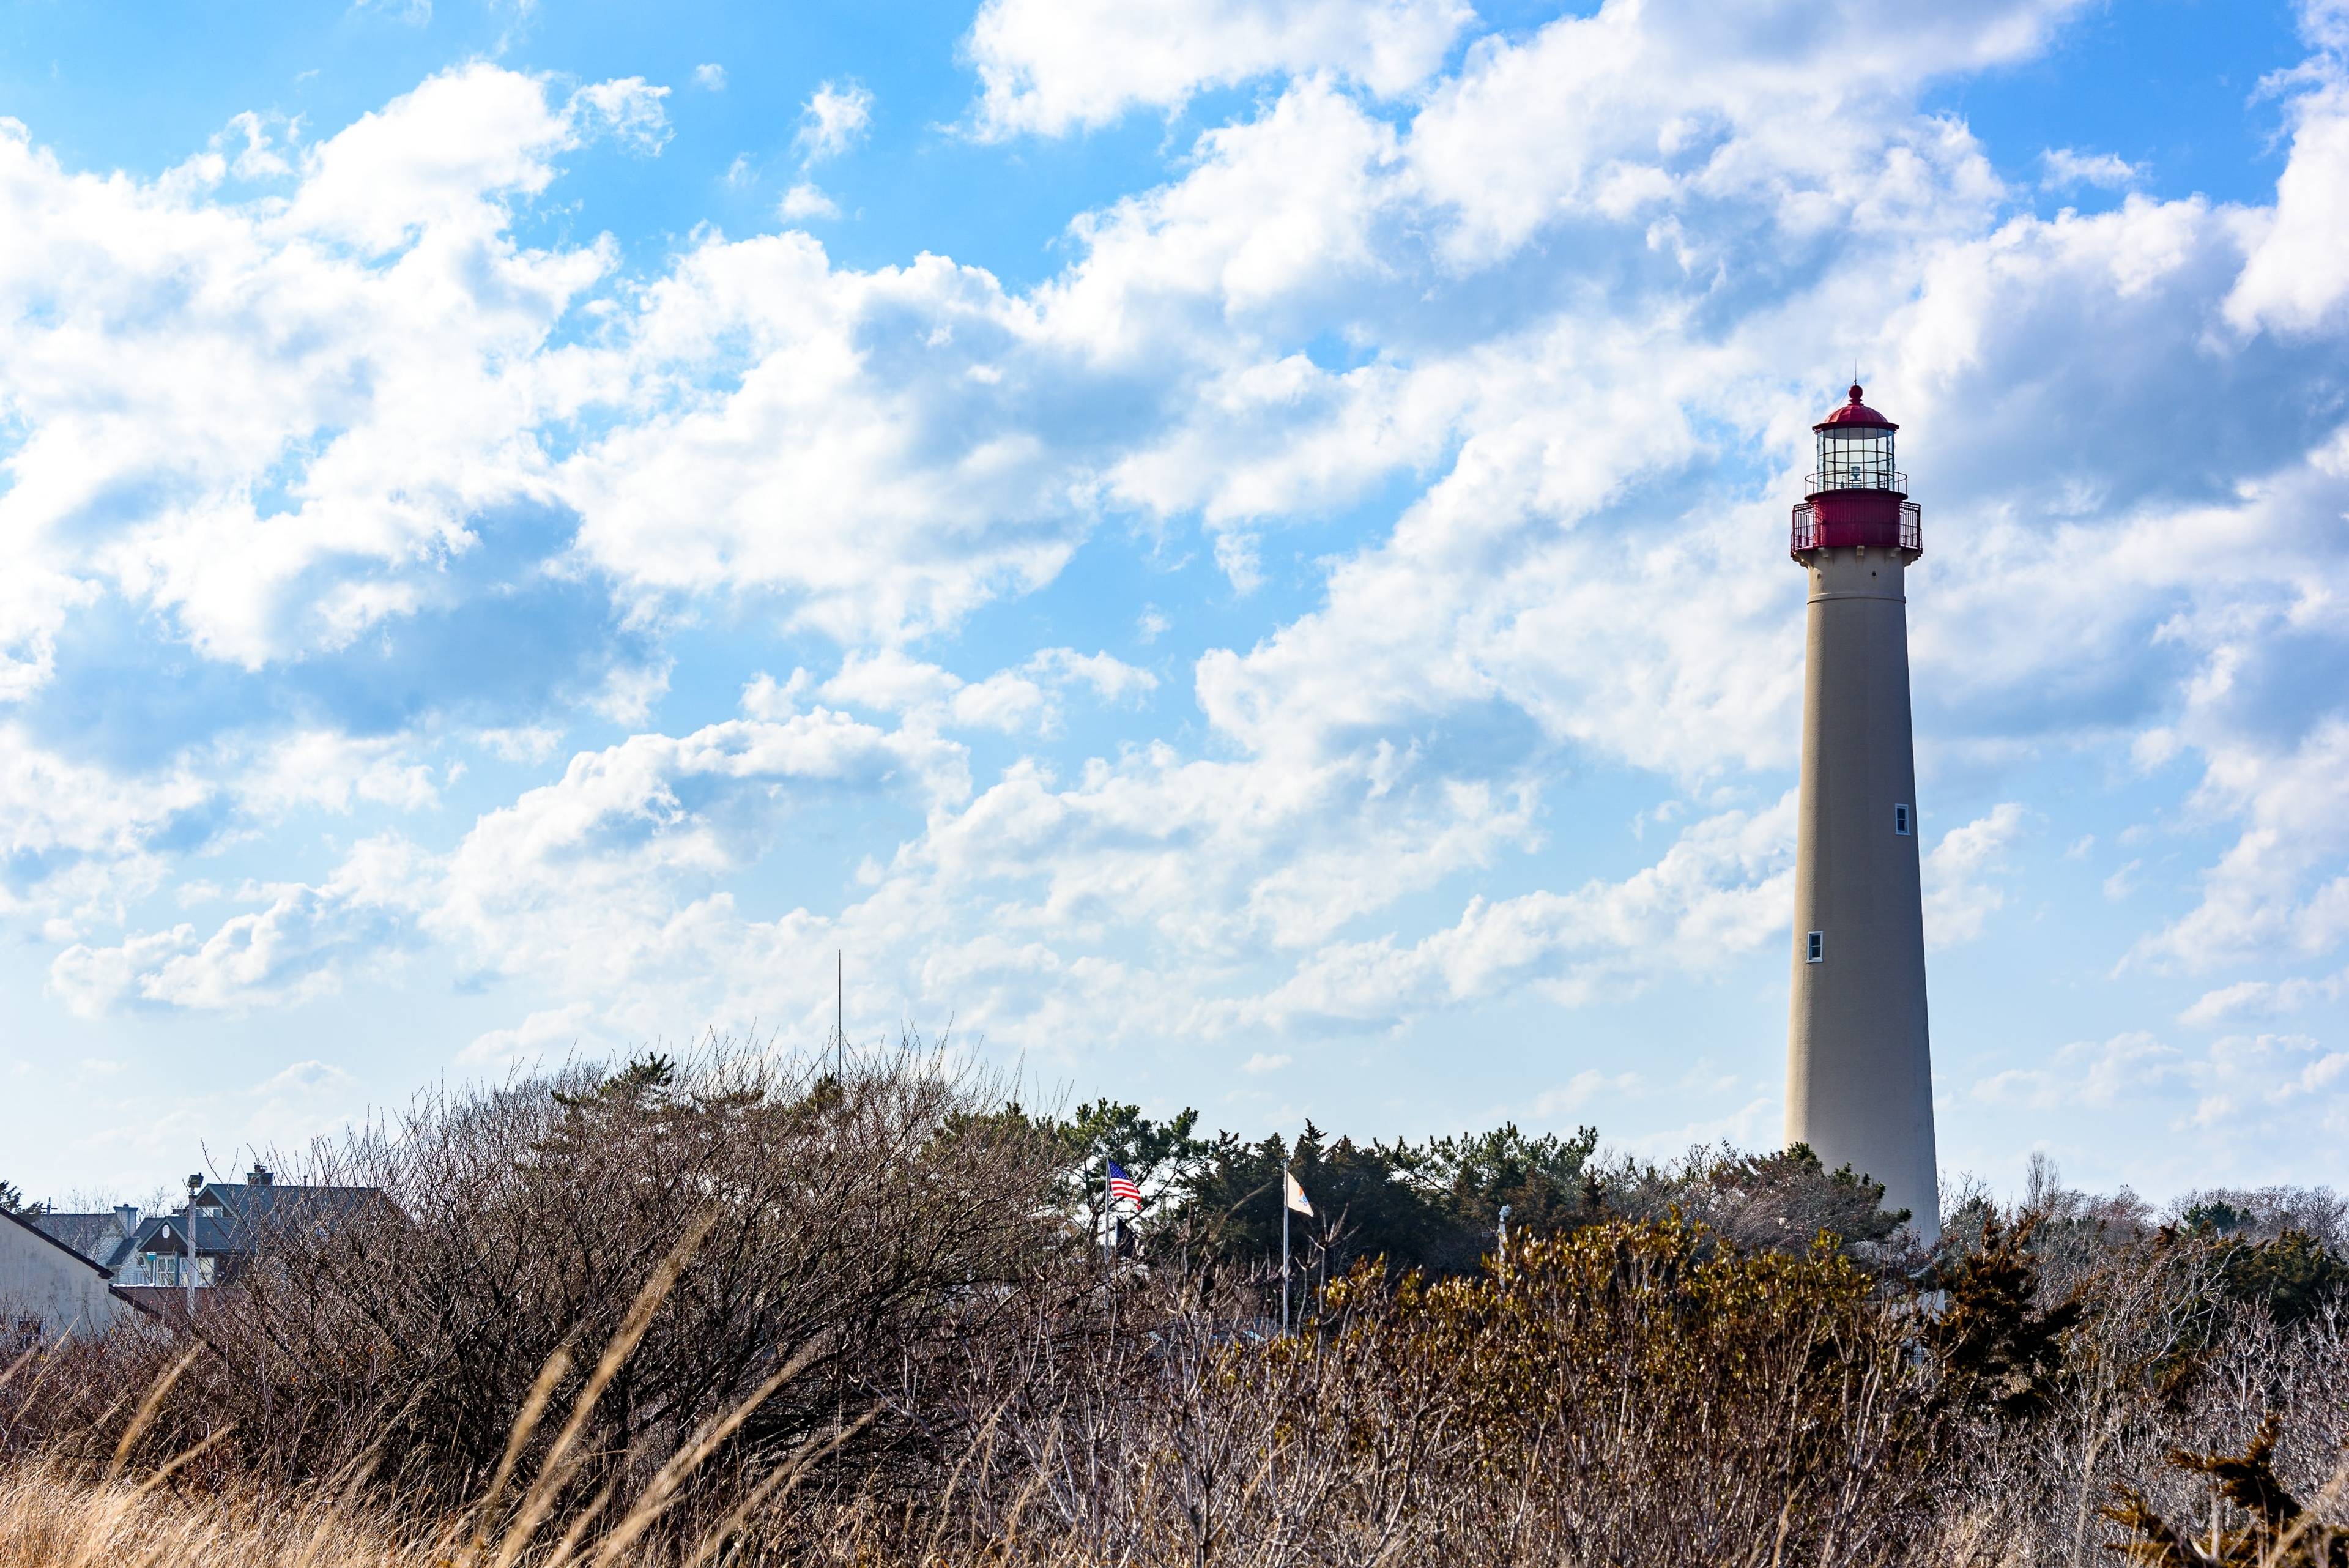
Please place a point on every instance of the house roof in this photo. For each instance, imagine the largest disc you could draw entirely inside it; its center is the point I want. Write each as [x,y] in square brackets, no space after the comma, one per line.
[257,1199]
[85,1233]
[101,1237]
[52,1240]
[242,1212]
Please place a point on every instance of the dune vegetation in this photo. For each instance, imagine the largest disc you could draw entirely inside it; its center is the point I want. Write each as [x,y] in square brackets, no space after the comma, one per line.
[859,1311]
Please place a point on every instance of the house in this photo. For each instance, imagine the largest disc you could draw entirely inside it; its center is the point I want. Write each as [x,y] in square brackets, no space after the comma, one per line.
[157,1264]
[148,1259]
[49,1290]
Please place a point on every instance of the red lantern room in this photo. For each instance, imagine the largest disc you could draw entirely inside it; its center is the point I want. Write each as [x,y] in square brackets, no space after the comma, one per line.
[1858,498]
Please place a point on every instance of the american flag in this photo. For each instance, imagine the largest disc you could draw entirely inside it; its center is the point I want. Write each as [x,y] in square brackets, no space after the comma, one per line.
[1122,1185]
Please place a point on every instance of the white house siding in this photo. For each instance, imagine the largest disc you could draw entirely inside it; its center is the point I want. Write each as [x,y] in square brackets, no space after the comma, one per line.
[44,1283]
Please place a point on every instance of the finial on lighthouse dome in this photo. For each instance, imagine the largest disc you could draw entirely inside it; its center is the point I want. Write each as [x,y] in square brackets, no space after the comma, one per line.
[1856,412]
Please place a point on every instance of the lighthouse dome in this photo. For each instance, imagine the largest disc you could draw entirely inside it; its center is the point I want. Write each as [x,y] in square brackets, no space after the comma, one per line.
[1856,412]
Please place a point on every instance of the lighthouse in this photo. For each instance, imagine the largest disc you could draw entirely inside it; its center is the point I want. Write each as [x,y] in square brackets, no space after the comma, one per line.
[1860,1074]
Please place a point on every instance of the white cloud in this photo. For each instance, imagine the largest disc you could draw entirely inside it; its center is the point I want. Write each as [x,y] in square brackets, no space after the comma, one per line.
[1113,679]
[2263,999]
[878,494]
[335,771]
[1575,1097]
[1052,66]
[2297,277]
[1722,889]
[835,120]
[1261,1062]
[579,880]
[710,77]
[298,947]
[2280,885]
[1960,896]
[632,112]
[2068,169]
[806,200]
[415,13]
[2093,1074]
[314,397]
[2245,1103]
[550,1036]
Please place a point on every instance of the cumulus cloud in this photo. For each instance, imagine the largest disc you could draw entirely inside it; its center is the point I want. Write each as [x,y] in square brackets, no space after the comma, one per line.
[309,426]
[2090,1073]
[1051,68]
[2297,277]
[299,945]
[2241,1102]
[1961,892]
[835,120]
[1722,889]
[581,874]
[807,201]
[2263,999]
[2066,169]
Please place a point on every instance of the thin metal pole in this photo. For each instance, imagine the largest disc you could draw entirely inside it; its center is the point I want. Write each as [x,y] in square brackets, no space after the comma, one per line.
[192,1254]
[1108,1216]
[1284,1246]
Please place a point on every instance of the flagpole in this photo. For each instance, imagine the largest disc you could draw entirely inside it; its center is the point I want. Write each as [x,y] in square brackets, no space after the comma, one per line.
[1284,1246]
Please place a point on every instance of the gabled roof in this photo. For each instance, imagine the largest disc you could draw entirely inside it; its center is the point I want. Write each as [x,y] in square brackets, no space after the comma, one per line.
[101,1237]
[244,1211]
[91,1235]
[34,1230]
[255,1200]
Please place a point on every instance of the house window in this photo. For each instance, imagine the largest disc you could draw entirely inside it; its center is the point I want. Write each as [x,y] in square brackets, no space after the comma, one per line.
[1900,820]
[1816,949]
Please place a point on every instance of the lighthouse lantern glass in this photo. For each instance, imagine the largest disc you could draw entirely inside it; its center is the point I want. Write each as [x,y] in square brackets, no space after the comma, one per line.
[1855,457]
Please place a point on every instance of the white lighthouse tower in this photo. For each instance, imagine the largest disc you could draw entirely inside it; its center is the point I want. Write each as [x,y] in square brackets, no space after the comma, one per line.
[1860,1074]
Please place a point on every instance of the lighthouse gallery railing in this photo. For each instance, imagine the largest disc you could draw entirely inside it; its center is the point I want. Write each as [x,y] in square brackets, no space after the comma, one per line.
[1810,534]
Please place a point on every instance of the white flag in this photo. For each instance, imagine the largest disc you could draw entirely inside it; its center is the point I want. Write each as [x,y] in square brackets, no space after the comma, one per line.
[1297,1198]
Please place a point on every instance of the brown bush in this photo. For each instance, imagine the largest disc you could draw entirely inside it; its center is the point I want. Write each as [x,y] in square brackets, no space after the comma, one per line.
[869,1224]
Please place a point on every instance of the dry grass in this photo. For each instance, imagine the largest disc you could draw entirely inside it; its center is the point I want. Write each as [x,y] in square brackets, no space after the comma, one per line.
[52,1519]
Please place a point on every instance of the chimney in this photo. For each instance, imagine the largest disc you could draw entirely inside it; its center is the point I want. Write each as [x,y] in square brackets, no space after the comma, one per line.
[259,1176]
[126,1215]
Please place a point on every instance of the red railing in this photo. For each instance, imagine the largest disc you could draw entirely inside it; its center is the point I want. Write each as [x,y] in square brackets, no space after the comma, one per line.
[1903,530]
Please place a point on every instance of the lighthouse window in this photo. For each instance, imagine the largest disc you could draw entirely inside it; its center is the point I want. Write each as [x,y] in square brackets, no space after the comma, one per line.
[1900,820]
[1855,457]
[1817,948]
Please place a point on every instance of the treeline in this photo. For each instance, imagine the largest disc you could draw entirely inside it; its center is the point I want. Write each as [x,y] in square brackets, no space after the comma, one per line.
[1436,1205]
[735,1310]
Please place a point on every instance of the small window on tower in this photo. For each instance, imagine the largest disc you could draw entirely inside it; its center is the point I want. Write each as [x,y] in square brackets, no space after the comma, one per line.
[1900,820]
[1817,948]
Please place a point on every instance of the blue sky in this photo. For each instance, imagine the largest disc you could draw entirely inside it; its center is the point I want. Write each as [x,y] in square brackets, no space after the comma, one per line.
[1229,550]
